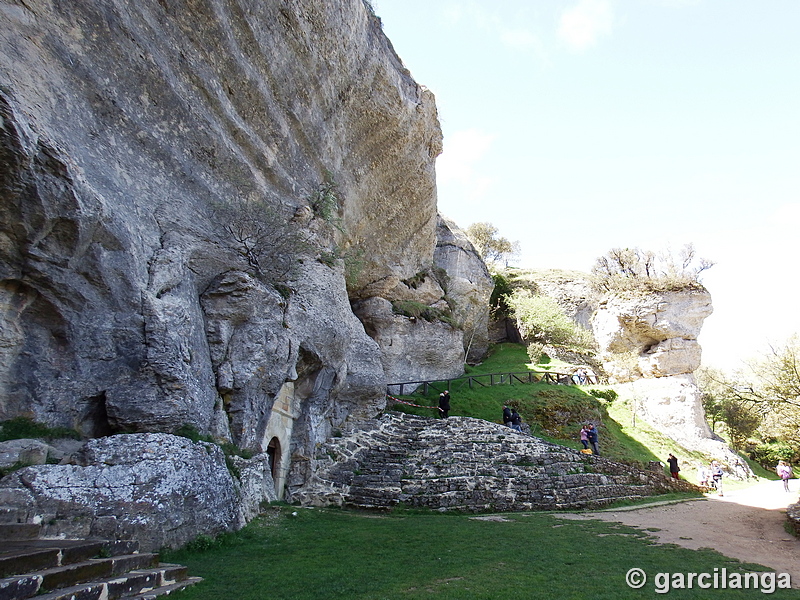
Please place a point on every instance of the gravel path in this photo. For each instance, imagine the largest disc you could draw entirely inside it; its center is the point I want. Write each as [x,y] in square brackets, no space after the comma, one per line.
[747,524]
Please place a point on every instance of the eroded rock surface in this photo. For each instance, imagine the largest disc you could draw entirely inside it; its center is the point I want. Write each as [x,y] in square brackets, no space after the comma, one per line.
[158,489]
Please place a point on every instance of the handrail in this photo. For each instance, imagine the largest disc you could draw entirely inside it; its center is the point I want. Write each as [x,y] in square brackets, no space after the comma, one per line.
[505,378]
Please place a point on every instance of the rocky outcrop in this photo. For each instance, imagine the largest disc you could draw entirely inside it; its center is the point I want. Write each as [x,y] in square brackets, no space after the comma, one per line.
[651,335]
[468,286]
[467,465]
[190,201]
[412,348]
[648,345]
[157,489]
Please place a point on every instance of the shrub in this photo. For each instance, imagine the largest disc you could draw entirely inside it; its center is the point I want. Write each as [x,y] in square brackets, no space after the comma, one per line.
[769,453]
[608,395]
[535,351]
[20,428]
[541,319]
[419,310]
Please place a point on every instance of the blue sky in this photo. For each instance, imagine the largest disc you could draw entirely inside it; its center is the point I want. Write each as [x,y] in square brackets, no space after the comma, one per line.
[576,126]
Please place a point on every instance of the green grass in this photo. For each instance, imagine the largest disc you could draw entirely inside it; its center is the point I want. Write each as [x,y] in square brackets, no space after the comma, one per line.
[20,428]
[331,554]
[554,412]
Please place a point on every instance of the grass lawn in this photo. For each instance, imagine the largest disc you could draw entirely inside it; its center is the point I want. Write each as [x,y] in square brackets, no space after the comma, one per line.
[333,554]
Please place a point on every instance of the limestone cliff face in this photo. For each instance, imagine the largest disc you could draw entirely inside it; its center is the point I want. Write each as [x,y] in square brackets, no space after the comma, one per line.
[123,305]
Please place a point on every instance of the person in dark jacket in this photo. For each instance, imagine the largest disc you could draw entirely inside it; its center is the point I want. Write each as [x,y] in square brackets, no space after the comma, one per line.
[444,404]
[593,439]
[516,420]
[506,415]
[672,461]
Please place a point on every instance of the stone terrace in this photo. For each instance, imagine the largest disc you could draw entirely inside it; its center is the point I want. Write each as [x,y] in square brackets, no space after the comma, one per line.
[467,464]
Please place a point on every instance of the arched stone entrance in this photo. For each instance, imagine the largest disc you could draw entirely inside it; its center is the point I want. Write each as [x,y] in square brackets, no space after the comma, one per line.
[274,453]
[278,435]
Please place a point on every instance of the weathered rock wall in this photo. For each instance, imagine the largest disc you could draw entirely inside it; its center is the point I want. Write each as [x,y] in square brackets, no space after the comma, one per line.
[124,303]
[157,489]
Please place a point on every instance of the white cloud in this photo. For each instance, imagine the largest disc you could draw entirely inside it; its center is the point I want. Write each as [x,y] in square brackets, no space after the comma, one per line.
[582,25]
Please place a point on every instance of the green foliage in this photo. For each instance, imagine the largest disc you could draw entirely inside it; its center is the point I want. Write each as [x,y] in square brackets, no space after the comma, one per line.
[535,351]
[498,300]
[769,453]
[644,270]
[491,248]
[325,200]
[609,395]
[419,310]
[419,555]
[20,428]
[353,266]
[541,319]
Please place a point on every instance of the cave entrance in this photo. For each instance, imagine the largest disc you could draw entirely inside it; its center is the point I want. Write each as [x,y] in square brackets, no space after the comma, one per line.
[274,454]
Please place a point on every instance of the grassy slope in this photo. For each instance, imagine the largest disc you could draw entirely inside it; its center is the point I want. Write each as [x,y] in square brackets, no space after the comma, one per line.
[556,412]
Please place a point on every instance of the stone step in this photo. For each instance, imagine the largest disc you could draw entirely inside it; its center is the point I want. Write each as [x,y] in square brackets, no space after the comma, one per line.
[19,587]
[18,531]
[24,556]
[168,589]
[147,583]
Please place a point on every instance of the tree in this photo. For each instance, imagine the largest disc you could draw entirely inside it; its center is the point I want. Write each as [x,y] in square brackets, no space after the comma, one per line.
[741,417]
[266,240]
[541,319]
[491,248]
[633,268]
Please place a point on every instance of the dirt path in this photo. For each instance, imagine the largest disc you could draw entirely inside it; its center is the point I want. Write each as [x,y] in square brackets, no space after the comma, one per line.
[745,524]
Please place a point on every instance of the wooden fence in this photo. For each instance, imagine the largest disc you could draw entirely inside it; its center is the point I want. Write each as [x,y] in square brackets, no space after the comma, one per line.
[472,381]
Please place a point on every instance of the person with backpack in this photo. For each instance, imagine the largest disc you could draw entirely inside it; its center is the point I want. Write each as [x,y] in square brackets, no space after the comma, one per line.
[506,415]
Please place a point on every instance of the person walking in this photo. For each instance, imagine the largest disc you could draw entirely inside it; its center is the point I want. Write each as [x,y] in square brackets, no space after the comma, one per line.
[593,439]
[784,471]
[673,466]
[444,404]
[716,476]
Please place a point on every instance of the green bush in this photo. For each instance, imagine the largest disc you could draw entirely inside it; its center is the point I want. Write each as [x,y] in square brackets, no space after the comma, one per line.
[535,351]
[20,428]
[608,395]
[418,310]
[541,319]
[769,453]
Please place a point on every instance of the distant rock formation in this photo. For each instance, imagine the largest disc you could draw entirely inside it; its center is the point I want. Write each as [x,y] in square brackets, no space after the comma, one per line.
[126,306]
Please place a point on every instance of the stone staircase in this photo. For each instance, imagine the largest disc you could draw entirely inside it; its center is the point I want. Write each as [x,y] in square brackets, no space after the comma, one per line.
[469,465]
[47,569]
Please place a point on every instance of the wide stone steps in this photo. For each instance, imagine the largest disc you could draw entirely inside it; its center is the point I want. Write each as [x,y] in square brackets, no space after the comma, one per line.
[467,465]
[81,569]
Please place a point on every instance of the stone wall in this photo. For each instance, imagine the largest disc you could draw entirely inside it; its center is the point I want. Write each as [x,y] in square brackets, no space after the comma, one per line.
[469,465]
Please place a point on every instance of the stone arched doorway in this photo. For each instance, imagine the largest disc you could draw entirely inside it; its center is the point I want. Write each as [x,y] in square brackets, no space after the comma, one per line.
[274,453]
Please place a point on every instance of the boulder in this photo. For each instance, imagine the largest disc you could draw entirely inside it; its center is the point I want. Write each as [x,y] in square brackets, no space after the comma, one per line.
[158,489]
